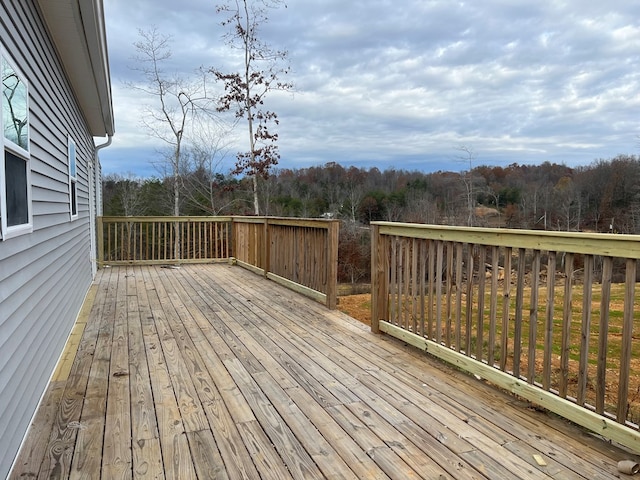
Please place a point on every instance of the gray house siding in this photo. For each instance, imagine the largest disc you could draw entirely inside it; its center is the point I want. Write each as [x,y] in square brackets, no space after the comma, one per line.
[44,275]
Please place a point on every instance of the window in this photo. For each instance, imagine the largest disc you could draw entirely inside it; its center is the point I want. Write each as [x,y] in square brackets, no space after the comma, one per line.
[73,180]
[17,199]
[15,170]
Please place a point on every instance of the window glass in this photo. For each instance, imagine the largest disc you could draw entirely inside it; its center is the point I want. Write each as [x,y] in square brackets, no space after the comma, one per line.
[16,189]
[72,159]
[74,199]
[73,181]
[14,107]
[15,167]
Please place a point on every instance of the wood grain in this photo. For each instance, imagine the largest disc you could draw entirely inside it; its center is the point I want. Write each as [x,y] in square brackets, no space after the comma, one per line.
[210,371]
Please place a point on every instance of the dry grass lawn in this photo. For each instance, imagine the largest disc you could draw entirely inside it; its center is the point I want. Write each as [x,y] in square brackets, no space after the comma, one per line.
[359,307]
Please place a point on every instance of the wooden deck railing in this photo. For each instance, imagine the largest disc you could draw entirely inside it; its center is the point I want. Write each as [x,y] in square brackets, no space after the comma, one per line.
[549,316]
[163,240]
[300,253]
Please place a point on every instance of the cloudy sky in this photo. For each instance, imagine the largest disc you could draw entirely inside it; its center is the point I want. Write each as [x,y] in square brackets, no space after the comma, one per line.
[405,83]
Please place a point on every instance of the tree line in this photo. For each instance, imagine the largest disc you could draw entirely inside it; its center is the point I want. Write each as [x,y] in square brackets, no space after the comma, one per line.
[602,197]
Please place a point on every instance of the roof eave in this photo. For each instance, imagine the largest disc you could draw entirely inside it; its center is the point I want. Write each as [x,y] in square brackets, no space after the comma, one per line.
[78,31]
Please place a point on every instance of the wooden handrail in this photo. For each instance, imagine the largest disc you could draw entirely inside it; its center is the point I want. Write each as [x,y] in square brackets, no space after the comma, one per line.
[300,253]
[152,240]
[503,304]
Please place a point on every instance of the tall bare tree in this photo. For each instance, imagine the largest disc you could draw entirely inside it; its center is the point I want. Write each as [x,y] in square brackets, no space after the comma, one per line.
[246,89]
[177,103]
[468,155]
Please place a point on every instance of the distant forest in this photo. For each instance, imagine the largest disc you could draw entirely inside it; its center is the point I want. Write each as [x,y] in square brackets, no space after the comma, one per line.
[601,197]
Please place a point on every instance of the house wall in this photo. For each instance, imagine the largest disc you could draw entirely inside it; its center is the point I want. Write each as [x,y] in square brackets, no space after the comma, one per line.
[44,275]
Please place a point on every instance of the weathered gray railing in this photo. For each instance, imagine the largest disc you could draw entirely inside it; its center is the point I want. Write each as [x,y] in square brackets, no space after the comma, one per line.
[549,316]
[300,253]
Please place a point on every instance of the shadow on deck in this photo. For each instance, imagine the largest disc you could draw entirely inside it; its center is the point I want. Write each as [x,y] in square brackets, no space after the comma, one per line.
[210,371]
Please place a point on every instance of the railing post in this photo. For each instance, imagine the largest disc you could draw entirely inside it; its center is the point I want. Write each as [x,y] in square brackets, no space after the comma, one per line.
[332,264]
[100,242]
[266,247]
[379,283]
[234,239]
[177,255]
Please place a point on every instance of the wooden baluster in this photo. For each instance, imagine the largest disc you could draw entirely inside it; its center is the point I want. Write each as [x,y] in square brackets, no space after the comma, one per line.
[533,317]
[548,327]
[585,330]
[603,333]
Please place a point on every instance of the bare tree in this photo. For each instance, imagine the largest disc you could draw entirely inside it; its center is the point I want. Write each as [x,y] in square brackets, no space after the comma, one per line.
[354,191]
[123,194]
[177,104]
[246,89]
[202,178]
[354,253]
[421,208]
[566,198]
[467,154]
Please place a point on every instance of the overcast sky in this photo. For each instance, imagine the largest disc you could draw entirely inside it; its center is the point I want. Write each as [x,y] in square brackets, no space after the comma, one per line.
[404,83]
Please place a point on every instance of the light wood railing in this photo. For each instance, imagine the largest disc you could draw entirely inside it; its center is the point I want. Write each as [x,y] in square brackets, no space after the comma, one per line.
[300,253]
[163,240]
[549,316]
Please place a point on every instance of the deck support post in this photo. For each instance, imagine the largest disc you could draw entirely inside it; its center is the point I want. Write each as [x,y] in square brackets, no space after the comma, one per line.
[332,265]
[266,247]
[100,241]
[379,283]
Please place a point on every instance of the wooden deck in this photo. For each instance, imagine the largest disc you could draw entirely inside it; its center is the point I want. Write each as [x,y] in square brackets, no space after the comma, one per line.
[210,371]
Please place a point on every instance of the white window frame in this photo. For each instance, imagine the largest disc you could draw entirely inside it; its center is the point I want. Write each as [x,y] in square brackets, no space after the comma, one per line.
[72,156]
[20,152]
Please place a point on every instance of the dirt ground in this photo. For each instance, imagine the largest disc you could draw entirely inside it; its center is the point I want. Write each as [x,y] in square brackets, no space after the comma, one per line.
[357,306]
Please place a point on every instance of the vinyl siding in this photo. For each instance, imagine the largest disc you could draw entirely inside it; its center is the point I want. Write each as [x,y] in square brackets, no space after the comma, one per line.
[44,275]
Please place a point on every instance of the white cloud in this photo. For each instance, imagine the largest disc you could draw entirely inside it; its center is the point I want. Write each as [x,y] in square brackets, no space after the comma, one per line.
[383,84]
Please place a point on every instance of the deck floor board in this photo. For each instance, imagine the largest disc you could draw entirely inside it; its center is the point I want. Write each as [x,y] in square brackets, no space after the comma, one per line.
[210,371]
